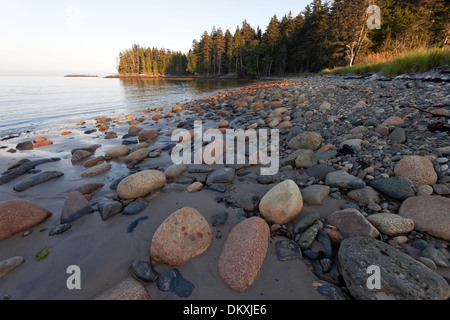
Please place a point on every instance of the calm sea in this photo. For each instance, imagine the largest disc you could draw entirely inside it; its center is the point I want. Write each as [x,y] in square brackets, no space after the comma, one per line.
[42,102]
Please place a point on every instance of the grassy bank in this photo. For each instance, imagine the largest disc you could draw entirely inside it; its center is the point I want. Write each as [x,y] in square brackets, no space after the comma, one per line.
[410,62]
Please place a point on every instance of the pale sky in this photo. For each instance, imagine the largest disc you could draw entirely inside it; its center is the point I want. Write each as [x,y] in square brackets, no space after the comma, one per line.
[67,37]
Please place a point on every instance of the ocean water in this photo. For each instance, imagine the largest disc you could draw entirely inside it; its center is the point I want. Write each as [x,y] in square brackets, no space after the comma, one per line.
[29,103]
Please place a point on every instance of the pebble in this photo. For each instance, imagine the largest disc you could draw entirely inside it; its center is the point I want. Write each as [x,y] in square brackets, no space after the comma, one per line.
[315,194]
[173,281]
[37,179]
[309,235]
[143,270]
[10,264]
[287,249]
[342,179]
[96,170]
[133,224]
[135,207]
[60,229]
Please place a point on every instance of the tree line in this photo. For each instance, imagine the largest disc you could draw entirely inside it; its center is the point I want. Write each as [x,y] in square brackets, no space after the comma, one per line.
[326,34]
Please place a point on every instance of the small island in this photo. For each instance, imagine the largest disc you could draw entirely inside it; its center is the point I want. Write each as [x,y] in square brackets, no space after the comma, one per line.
[80,76]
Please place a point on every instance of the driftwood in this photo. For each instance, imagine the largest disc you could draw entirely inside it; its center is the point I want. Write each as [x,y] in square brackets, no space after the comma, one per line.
[428,112]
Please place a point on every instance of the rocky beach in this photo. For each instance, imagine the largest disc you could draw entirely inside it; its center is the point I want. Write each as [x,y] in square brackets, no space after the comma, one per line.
[362,184]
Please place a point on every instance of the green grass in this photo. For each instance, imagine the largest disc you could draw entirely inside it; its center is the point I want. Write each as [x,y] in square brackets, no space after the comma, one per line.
[411,62]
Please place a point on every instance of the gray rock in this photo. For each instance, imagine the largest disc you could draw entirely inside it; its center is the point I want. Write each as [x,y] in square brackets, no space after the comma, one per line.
[320,171]
[249,202]
[220,218]
[436,256]
[143,270]
[287,249]
[397,136]
[305,159]
[305,222]
[441,189]
[108,209]
[75,206]
[315,194]
[424,190]
[342,179]
[223,175]
[135,207]
[306,140]
[175,170]
[364,196]
[330,291]
[351,223]
[325,240]
[37,179]
[309,235]
[10,264]
[401,277]
[325,155]
[294,131]
[399,188]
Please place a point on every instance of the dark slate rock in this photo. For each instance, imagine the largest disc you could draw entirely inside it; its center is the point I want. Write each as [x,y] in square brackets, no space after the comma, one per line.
[401,276]
[223,175]
[220,219]
[135,207]
[324,239]
[27,145]
[59,229]
[108,209]
[172,280]
[133,224]
[399,188]
[330,291]
[287,249]
[143,270]
[397,136]
[217,187]
[249,202]
[116,182]
[264,179]
[37,179]
[319,171]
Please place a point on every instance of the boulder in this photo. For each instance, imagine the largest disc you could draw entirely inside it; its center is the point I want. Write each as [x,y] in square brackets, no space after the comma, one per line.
[140,183]
[400,276]
[243,253]
[282,203]
[17,215]
[418,169]
[184,235]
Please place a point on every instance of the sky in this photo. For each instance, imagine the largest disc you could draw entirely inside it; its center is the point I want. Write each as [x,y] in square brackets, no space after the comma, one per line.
[85,37]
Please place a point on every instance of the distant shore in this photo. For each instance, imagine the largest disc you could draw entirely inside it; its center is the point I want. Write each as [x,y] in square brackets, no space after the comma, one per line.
[192,77]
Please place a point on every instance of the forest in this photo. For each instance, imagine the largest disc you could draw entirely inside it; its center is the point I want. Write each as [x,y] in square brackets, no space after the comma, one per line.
[325,35]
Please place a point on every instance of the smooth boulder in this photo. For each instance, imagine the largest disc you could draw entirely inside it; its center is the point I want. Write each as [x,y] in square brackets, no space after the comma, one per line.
[184,235]
[243,253]
[140,183]
[282,203]
[19,215]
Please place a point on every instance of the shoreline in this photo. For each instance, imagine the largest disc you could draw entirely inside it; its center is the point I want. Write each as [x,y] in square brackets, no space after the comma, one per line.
[336,108]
